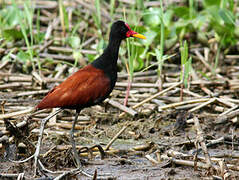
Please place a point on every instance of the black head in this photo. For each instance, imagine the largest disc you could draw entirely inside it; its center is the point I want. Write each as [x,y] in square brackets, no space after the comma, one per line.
[121,30]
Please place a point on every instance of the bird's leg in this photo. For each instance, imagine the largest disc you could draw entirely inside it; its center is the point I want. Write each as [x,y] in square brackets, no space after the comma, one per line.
[38,146]
[127,91]
[75,154]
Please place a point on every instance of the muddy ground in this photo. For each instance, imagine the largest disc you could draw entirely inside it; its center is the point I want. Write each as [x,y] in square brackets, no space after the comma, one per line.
[182,133]
[161,136]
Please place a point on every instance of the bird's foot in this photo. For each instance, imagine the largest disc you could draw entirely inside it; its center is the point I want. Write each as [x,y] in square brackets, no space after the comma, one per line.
[37,162]
[76,157]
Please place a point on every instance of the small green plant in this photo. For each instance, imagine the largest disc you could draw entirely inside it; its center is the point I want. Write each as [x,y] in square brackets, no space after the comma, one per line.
[25,20]
[185,63]
[97,17]
[75,43]
[39,36]
[154,18]
[135,53]
[222,23]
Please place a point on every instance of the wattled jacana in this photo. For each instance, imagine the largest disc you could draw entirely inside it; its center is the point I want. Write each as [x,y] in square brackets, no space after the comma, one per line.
[88,86]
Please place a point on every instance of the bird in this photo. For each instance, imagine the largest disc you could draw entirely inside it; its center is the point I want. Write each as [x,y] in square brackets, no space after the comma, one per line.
[88,86]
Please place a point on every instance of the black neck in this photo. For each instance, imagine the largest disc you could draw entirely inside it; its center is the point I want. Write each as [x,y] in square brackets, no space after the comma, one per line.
[109,56]
[113,48]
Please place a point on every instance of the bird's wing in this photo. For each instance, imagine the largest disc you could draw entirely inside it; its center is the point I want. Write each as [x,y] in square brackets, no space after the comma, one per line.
[84,87]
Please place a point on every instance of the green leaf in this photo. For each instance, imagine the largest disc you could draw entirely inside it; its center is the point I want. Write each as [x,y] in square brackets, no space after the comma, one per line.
[184,52]
[23,56]
[181,12]
[150,37]
[151,17]
[188,66]
[200,21]
[218,21]
[167,17]
[74,42]
[138,58]
[227,16]
[138,64]
[207,3]
[100,47]
[12,34]
[7,57]
[171,41]
[97,16]
[144,53]
[91,57]
[214,12]
[10,16]
[201,36]
[77,56]
[139,4]
[236,32]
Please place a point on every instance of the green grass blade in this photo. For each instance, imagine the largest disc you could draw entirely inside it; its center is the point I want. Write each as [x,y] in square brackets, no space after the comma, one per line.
[160,59]
[112,7]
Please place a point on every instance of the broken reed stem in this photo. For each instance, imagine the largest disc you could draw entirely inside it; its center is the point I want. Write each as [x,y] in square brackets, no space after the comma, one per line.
[173,105]
[152,97]
[115,137]
[122,107]
[172,154]
[222,119]
[203,104]
[152,160]
[18,113]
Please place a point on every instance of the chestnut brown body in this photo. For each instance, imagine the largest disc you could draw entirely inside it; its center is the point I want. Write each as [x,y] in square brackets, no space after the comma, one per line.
[84,88]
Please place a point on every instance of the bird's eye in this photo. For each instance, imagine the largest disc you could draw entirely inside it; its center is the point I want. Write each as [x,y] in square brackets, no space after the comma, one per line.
[123,30]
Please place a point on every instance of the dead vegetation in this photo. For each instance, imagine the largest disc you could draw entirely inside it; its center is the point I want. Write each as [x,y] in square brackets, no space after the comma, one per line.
[178,133]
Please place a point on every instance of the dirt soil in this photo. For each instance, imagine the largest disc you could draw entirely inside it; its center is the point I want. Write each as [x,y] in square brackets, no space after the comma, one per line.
[154,134]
